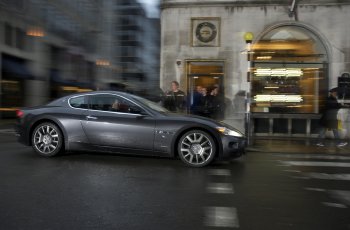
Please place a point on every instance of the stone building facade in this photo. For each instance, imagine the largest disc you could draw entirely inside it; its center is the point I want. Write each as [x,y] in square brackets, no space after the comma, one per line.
[298,51]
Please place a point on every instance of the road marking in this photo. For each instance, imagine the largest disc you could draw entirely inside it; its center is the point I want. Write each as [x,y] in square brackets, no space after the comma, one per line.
[293,171]
[316,163]
[220,188]
[8,131]
[326,176]
[341,195]
[219,172]
[334,205]
[308,156]
[221,217]
[300,177]
[316,189]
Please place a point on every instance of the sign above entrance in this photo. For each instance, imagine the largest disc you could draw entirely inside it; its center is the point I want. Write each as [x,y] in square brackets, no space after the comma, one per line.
[205,32]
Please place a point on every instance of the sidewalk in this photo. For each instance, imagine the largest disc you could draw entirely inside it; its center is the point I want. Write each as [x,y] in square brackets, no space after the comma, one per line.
[307,145]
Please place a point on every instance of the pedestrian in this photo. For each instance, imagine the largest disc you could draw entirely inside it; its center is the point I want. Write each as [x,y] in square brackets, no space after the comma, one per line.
[196,100]
[175,99]
[329,119]
[344,117]
[205,103]
[217,104]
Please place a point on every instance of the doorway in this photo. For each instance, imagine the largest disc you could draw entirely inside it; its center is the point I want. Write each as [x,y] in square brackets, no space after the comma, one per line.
[205,75]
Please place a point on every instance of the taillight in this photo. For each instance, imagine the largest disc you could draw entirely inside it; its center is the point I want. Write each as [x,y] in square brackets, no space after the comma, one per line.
[19,113]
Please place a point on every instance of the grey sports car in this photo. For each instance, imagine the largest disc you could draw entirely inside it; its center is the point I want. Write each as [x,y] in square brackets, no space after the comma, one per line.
[119,122]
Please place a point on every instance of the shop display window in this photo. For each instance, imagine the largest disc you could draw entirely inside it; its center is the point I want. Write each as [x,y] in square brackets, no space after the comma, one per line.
[289,72]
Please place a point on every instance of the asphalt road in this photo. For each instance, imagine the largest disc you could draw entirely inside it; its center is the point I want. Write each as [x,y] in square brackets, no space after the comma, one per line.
[101,191]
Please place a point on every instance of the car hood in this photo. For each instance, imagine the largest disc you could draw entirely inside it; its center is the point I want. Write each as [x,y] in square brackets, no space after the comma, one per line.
[197,119]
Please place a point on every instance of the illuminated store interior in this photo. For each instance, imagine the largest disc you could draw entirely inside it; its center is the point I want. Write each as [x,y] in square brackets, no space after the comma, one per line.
[289,72]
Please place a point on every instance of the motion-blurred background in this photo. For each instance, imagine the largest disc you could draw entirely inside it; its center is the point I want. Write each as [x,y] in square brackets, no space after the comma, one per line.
[50,48]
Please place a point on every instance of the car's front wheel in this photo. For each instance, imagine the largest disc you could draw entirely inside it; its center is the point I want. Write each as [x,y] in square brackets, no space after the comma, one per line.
[196,148]
[47,139]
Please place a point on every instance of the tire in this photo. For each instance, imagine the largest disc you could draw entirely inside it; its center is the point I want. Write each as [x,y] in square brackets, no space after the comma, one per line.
[196,148]
[47,139]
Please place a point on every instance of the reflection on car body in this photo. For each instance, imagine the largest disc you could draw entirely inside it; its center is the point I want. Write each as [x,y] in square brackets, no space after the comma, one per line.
[124,123]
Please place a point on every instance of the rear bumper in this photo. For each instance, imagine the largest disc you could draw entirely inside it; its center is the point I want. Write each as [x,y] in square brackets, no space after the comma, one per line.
[232,147]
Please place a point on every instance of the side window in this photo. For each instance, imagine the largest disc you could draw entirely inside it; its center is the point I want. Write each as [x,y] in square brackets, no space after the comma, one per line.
[101,102]
[126,106]
[113,103]
[79,102]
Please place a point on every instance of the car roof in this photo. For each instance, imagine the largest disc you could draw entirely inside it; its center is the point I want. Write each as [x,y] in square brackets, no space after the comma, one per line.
[99,92]
[67,97]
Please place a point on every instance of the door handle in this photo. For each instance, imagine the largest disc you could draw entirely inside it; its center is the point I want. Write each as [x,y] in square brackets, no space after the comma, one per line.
[91,117]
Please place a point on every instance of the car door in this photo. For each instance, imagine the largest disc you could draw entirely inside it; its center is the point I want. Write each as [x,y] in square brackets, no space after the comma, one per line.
[124,127]
[71,118]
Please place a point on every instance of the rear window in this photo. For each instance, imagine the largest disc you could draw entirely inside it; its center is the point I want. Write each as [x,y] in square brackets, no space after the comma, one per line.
[79,102]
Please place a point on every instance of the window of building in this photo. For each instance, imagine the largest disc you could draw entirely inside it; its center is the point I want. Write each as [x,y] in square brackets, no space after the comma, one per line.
[128,51]
[125,21]
[8,34]
[125,2]
[16,5]
[289,71]
[20,39]
[16,37]
[127,37]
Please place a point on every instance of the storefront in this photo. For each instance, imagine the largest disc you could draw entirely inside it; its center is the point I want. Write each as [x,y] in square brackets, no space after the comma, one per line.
[297,53]
[289,83]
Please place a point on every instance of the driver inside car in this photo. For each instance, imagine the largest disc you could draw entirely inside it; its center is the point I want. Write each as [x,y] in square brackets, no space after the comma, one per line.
[115,105]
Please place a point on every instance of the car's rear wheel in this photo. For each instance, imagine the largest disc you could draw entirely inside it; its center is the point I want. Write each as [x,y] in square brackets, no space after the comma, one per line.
[47,139]
[196,148]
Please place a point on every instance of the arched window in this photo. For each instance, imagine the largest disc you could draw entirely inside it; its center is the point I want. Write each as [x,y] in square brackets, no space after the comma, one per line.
[290,71]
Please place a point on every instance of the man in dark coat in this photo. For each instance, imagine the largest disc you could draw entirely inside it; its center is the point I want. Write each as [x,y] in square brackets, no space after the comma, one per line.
[217,103]
[196,100]
[175,99]
[329,118]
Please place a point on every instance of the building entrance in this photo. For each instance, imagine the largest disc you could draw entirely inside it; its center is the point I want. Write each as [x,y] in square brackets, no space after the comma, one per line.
[205,88]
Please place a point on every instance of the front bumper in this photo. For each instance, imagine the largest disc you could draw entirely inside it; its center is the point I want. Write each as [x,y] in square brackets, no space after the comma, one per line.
[232,147]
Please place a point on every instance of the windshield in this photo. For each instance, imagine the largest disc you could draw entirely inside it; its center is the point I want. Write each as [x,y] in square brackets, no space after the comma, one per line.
[151,104]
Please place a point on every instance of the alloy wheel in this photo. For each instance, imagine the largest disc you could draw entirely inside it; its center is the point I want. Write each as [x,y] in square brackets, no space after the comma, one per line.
[196,148]
[47,139]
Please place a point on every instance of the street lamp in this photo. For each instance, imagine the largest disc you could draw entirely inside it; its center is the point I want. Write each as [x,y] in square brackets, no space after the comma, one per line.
[248,37]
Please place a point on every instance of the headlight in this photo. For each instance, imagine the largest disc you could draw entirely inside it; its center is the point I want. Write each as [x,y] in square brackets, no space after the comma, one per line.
[229,132]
